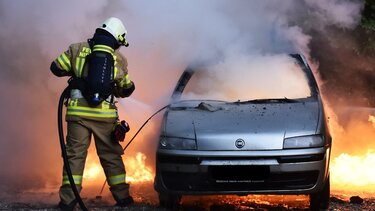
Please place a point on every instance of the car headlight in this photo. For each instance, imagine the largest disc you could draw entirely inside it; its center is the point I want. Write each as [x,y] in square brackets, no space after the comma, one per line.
[303,142]
[177,143]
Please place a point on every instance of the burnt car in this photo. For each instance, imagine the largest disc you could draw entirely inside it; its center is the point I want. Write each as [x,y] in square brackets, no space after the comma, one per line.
[239,139]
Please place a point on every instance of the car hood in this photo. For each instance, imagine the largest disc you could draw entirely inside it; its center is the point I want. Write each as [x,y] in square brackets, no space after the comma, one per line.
[217,126]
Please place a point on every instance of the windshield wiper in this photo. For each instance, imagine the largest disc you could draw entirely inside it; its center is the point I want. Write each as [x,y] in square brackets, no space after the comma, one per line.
[208,105]
[270,100]
[199,100]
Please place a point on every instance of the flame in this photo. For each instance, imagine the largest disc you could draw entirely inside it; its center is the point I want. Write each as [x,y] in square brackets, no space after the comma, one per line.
[354,172]
[137,170]
[372,120]
[92,171]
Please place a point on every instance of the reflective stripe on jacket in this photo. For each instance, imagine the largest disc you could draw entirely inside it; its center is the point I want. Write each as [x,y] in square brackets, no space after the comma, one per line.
[73,60]
[80,107]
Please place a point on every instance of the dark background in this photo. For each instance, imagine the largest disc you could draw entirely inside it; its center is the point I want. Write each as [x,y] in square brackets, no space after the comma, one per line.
[347,60]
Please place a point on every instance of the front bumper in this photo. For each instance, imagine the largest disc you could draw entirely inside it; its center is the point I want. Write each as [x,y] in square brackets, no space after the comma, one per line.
[187,172]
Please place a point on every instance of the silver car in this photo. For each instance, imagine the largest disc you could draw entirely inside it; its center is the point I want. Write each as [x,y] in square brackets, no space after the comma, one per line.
[247,146]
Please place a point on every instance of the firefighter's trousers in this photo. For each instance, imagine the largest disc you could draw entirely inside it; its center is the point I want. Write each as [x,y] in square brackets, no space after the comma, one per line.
[79,132]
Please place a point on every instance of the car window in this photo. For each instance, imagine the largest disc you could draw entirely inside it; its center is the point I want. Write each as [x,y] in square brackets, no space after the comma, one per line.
[248,78]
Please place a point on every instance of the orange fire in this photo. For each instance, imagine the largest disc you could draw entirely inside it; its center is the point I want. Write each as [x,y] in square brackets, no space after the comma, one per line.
[354,171]
[372,120]
[136,170]
[92,172]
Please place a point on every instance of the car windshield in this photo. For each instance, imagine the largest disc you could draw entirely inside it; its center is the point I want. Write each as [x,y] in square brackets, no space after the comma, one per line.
[247,78]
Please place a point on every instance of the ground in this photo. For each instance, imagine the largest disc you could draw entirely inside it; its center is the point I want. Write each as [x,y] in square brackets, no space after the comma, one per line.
[146,200]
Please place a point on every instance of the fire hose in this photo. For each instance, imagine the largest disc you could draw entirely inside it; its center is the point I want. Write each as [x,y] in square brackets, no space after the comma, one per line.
[131,140]
[65,95]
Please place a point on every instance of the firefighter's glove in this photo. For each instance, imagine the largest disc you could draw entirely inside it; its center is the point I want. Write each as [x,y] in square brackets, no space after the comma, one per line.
[120,130]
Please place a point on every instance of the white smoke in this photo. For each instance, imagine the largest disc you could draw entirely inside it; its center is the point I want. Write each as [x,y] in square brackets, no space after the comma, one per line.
[165,36]
[249,77]
[341,13]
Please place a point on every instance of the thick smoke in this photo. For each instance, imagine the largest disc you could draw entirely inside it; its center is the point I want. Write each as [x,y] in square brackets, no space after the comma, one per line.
[249,77]
[342,13]
[165,36]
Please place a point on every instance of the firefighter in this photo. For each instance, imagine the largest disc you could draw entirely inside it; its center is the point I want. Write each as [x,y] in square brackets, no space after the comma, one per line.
[85,120]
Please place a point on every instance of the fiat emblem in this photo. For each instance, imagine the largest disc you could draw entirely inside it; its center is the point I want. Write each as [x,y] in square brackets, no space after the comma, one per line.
[239,143]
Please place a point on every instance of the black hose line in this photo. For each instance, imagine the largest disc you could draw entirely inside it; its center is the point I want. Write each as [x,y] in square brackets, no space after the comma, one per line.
[63,96]
[139,130]
[131,140]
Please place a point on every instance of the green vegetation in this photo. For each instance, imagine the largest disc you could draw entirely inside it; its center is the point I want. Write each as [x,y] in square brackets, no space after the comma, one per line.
[347,60]
[367,31]
[368,15]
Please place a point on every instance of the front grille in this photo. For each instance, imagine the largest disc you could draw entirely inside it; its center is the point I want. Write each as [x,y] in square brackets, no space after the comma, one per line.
[239,173]
[197,160]
[217,180]
[300,158]
[178,159]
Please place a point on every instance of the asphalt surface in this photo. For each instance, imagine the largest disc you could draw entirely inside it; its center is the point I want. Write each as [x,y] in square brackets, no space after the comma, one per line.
[197,205]
[146,200]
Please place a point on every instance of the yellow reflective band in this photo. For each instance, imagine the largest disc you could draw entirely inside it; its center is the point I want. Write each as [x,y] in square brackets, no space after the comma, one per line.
[126,82]
[115,63]
[80,61]
[77,180]
[77,67]
[115,71]
[126,79]
[91,112]
[64,62]
[117,179]
[103,48]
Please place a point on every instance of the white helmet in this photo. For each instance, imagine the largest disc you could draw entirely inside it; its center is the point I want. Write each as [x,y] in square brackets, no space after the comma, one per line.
[115,27]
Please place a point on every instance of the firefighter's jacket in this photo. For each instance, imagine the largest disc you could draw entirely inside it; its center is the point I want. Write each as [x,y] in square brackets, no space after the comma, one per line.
[72,63]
